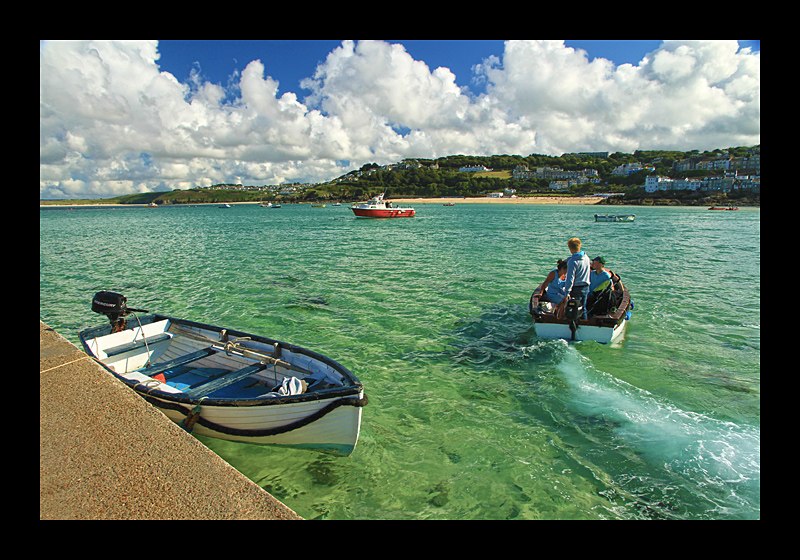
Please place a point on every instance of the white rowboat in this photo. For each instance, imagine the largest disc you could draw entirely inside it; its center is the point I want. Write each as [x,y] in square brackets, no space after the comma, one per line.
[614,217]
[228,384]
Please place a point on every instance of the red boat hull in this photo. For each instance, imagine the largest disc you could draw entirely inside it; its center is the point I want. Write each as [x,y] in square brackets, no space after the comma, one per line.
[383,213]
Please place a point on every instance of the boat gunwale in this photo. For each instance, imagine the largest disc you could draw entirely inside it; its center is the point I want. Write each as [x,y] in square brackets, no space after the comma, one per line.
[353,390]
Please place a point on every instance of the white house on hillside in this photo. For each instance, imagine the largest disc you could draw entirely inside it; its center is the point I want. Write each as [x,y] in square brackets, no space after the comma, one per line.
[655,183]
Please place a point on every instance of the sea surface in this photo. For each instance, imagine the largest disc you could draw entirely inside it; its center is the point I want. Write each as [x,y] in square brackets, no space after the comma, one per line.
[471,415]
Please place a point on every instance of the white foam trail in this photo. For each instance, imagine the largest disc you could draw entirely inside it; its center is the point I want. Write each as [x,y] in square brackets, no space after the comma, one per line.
[706,450]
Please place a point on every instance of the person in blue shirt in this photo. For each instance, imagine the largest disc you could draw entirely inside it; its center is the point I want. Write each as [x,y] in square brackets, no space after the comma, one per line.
[600,278]
[554,283]
[605,289]
[576,284]
[601,284]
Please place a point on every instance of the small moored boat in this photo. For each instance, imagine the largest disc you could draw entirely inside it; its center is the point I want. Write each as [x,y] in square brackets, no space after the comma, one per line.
[228,384]
[379,208]
[601,328]
[724,208]
[614,217]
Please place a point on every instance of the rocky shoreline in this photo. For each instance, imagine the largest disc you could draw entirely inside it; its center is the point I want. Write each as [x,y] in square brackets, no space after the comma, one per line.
[720,199]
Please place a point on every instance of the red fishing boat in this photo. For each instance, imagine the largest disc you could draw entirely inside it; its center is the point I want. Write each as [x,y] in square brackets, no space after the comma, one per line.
[380,208]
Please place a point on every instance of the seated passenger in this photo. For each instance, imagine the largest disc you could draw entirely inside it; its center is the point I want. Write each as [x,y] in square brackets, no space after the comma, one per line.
[605,289]
[599,278]
[553,286]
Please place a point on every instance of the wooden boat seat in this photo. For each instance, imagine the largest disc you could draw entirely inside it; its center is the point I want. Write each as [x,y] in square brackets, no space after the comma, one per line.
[194,356]
[205,388]
[128,346]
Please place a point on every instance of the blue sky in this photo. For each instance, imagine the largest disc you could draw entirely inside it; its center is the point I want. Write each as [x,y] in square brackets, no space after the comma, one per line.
[118,117]
[289,62]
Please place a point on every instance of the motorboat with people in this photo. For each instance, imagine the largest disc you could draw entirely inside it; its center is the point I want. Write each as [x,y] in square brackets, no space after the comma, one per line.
[377,207]
[228,384]
[608,313]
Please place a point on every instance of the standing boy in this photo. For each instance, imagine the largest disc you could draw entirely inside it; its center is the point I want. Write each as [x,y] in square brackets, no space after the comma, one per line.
[578,269]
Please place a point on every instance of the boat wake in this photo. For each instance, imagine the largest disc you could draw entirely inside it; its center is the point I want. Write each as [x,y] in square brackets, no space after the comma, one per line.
[718,462]
[649,457]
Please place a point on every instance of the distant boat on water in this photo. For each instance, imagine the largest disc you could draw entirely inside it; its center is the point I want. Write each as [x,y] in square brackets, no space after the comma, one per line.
[614,217]
[379,208]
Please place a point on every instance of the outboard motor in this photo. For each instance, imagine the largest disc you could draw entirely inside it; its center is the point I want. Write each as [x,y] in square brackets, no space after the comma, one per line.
[536,313]
[114,306]
[571,313]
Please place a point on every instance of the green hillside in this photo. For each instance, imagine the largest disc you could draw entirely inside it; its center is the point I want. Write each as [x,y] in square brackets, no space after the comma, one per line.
[432,178]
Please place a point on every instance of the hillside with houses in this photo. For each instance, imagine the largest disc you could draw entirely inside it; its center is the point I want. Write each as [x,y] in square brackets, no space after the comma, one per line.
[682,177]
[731,172]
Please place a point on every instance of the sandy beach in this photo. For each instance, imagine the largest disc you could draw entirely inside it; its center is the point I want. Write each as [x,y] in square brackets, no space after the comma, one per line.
[487,200]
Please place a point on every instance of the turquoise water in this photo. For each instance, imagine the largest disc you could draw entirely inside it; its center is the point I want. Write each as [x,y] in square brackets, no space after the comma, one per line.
[471,415]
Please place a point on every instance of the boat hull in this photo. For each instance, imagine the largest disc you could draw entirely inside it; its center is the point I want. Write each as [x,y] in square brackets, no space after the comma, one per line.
[384,213]
[337,433]
[603,335]
[614,218]
[326,419]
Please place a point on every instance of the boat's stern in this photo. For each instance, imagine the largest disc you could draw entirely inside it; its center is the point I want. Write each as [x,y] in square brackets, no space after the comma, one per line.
[604,329]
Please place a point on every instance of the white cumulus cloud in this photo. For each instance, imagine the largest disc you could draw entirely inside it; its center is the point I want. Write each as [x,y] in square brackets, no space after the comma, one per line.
[111,122]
